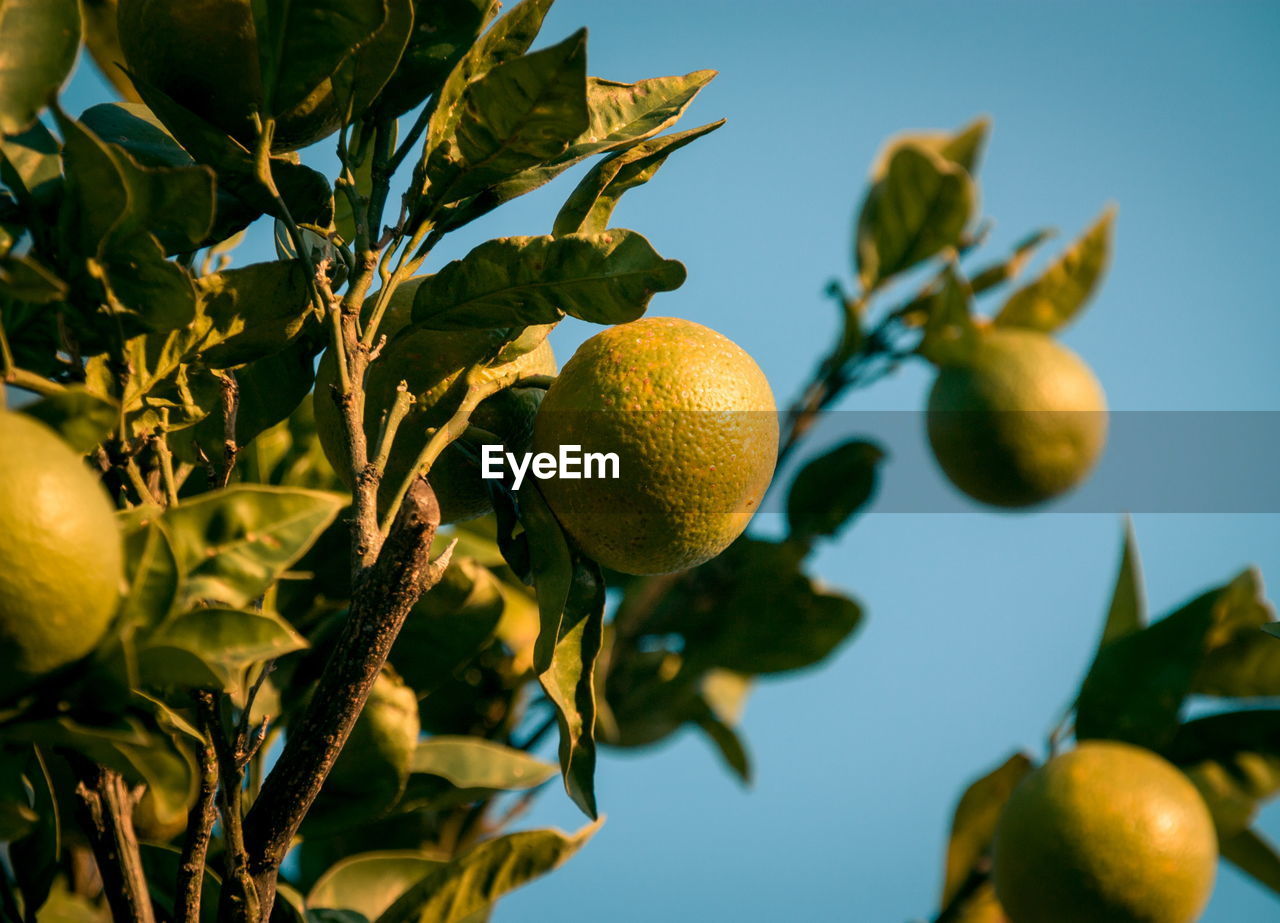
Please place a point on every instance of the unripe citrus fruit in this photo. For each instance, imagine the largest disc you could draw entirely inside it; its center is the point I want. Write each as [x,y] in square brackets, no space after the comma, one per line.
[693,423]
[60,557]
[1017,422]
[203,54]
[431,362]
[1106,833]
[373,767]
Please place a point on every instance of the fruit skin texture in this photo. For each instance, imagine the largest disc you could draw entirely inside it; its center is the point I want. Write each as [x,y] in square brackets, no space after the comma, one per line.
[203,54]
[693,421]
[60,554]
[1106,833]
[431,362]
[1018,422]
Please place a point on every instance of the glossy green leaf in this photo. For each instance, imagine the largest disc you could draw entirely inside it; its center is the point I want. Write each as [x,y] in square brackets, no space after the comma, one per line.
[82,419]
[443,31]
[24,278]
[590,205]
[30,164]
[918,209]
[38,44]
[152,573]
[832,488]
[229,639]
[252,312]
[233,543]
[571,600]
[606,278]
[485,873]
[370,882]
[472,762]
[302,43]
[1060,293]
[973,827]
[1254,855]
[521,113]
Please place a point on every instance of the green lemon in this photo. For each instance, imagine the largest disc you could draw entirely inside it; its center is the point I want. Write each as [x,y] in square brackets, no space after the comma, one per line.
[1019,421]
[60,554]
[693,422]
[1106,833]
[431,362]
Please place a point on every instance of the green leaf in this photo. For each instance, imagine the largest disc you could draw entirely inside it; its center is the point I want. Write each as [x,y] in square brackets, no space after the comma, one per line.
[606,278]
[229,640]
[518,115]
[472,762]
[973,826]
[950,332]
[1241,661]
[1234,759]
[17,812]
[476,879]
[233,543]
[152,573]
[1055,298]
[31,165]
[917,210]
[1128,611]
[370,882]
[303,43]
[622,114]
[571,600]
[252,312]
[39,39]
[590,205]
[443,30]
[82,419]
[35,858]
[963,147]
[716,710]
[1250,852]
[832,488]
[24,278]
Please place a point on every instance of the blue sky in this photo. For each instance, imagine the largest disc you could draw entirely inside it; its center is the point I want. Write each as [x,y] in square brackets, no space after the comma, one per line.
[980,624]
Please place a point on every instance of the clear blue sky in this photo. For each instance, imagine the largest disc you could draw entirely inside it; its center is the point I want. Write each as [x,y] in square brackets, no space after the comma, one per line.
[980,625]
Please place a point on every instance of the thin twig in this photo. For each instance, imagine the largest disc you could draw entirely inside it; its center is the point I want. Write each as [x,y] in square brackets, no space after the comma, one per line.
[239,897]
[230,391]
[195,846]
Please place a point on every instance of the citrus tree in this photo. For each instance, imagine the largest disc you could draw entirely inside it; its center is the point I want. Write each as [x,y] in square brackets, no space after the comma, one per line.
[276,643]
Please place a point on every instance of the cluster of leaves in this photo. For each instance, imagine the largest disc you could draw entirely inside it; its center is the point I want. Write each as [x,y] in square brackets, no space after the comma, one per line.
[187,385]
[1211,656]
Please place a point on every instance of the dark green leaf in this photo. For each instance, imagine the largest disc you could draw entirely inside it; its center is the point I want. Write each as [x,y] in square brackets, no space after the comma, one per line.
[518,115]
[233,543]
[606,278]
[949,332]
[368,883]
[1055,298]
[571,599]
[1241,660]
[590,205]
[252,312]
[30,164]
[479,877]
[472,762]
[24,278]
[82,419]
[832,488]
[1234,759]
[1250,852]
[38,44]
[34,858]
[918,209]
[973,826]
[17,811]
[443,30]
[1128,611]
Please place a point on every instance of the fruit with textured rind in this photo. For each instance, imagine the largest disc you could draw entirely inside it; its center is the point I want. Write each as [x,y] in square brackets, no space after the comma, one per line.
[431,362]
[1106,833]
[693,422]
[1019,421]
[60,554]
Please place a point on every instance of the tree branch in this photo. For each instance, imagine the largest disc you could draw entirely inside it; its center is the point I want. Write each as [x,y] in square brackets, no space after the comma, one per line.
[104,806]
[195,847]
[381,599]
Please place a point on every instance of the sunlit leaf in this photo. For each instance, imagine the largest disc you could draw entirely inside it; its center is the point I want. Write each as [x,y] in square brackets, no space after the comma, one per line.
[38,43]
[1055,298]
[973,826]
[472,762]
[368,883]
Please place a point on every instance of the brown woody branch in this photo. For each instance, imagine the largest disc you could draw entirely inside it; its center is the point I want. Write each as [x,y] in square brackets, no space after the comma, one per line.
[195,846]
[104,805]
[381,599]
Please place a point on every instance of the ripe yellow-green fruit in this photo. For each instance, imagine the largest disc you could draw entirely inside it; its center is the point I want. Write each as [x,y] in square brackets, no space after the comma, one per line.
[431,362]
[694,425]
[203,54]
[1017,422]
[371,771]
[1106,833]
[60,555]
